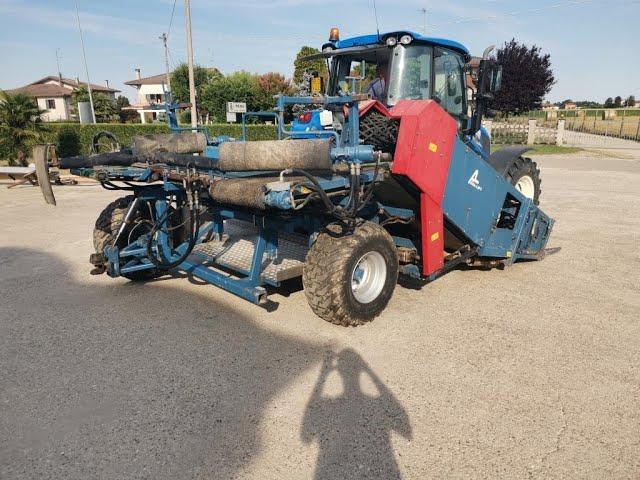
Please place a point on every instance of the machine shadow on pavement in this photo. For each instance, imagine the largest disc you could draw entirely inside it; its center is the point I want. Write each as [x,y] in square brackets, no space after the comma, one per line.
[123,380]
[353,429]
[126,381]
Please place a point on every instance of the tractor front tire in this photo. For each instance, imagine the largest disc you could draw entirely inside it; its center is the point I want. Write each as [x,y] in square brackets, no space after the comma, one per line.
[349,277]
[523,173]
[106,228]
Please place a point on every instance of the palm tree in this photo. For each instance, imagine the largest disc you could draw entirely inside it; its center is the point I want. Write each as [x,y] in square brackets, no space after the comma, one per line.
[20,126]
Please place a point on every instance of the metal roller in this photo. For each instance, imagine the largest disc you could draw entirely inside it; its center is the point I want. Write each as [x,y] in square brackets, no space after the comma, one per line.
[192,142]
[278,155]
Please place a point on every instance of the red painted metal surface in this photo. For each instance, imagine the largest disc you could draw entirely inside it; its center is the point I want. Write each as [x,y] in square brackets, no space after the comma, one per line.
[423,154]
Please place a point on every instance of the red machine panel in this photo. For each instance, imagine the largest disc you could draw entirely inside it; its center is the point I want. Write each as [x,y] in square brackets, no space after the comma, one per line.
[423,153]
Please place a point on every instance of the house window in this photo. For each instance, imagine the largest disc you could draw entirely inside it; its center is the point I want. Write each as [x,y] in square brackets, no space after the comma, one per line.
[51,104]
[155,98]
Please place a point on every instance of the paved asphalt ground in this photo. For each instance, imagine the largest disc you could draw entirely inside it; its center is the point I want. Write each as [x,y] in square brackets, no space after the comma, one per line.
[529,372]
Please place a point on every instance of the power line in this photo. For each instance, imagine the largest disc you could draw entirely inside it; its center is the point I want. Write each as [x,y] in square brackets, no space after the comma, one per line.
[86,68]
[173,11]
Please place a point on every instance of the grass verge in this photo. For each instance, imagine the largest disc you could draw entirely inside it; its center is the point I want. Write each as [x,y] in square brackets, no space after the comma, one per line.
[544,149]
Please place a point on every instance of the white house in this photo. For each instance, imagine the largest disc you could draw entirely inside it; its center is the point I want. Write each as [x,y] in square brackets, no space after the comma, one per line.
[151,96]
[53,94]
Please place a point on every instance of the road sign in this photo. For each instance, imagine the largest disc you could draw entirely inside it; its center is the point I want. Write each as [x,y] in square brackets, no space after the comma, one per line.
[236,107]
[231,117]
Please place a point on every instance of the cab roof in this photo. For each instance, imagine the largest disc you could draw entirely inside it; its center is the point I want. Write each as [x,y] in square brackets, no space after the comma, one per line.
[377,39]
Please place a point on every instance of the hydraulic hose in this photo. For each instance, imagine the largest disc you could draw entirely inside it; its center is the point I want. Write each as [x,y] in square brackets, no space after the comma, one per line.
[194,221]
[323,195]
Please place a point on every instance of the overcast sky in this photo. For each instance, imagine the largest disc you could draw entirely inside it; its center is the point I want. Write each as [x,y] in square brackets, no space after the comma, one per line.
[593,43]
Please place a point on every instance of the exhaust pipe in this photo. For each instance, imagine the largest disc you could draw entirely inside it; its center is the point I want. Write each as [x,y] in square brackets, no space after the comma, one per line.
[42,154]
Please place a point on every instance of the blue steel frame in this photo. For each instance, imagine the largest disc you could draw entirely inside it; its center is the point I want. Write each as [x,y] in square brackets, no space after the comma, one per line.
[474,211]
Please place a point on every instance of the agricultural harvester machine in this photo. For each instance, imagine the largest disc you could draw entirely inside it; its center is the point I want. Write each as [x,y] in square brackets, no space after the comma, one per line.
[355,192]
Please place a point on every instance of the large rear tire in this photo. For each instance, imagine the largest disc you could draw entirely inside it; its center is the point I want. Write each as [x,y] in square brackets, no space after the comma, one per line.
[523,173]
[107,226]
[349,278]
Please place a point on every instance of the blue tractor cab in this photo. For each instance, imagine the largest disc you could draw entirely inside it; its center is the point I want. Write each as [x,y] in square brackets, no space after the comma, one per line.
[395,66]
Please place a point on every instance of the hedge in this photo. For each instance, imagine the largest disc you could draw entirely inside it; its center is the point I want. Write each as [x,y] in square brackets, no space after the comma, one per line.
[74,139]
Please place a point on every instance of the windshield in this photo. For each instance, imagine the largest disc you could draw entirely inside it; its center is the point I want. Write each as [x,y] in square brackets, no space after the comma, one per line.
[413,72]
[348,76]
[410,73]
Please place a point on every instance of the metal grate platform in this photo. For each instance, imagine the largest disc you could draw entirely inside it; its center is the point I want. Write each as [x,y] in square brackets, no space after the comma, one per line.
[235,252]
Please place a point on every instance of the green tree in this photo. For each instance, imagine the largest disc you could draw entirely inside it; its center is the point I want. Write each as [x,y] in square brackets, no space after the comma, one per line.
[617,102]
[20,126]
[588,104]
[126,116]
[269,85]
[631,101]
[201,76]
[238,87]
[104,107]
[526,77]
[608,103]
[301,66]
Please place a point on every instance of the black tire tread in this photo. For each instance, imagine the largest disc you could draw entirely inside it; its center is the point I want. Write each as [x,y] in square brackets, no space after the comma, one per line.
[521,166]
[322,275]
[107,226]
[379,131]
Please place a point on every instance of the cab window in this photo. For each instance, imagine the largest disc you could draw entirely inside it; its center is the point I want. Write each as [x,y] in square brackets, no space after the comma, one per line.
[448,82]
[410,73]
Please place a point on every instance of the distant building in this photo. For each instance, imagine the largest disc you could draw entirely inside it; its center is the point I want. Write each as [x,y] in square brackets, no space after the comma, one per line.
[471,78]
[569,106]
[53,94]
[549,107]
[151,96]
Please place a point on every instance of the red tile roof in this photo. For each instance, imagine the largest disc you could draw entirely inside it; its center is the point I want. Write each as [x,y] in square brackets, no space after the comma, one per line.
[43,90]
[40,88]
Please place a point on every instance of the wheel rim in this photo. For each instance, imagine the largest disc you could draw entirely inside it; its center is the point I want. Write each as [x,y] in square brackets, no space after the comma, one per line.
[526,186]
[368,277]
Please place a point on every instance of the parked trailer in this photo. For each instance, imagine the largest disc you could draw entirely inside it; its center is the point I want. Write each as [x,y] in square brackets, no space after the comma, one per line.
[359,191]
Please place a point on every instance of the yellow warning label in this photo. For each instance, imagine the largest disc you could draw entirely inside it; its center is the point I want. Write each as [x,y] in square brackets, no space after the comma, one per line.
[433,147]
[435,236]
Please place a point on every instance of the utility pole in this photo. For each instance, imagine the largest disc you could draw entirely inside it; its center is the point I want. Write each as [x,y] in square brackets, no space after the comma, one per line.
[424,20]
[58,62]
[192,85]
[163,37]
[86,68]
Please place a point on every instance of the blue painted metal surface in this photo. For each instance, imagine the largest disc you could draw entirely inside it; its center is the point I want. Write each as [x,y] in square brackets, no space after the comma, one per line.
[307,129]
[473,201]
[374,39]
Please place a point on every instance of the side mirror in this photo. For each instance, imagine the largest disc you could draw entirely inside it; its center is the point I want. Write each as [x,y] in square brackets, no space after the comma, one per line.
[496,79]
[489,82]
[452,85]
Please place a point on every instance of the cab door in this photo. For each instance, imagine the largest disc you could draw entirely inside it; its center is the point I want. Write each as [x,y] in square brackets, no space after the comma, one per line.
[449,83]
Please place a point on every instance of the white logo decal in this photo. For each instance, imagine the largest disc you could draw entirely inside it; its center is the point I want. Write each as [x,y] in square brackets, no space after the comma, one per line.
[474,182]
